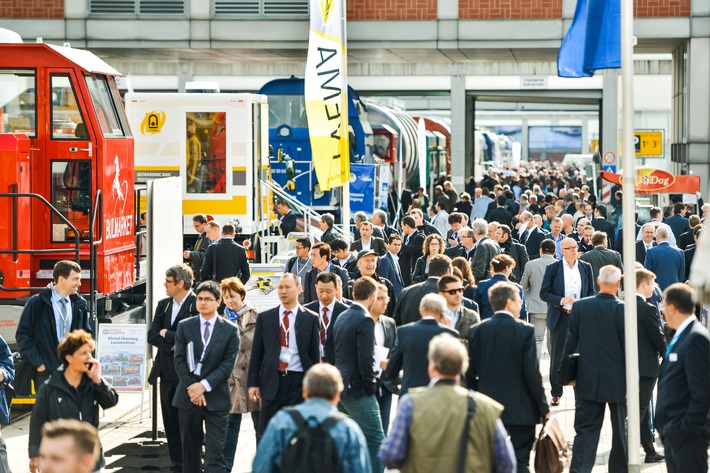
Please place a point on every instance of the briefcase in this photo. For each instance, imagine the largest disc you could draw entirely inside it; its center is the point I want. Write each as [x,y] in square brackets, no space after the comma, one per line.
[551,452]
[568,369]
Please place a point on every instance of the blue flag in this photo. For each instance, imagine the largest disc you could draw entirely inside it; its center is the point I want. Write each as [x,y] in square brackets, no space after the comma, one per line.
[593,41]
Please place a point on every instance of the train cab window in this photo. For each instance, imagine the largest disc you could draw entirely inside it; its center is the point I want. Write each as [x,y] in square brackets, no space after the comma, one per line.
[66,116]
[287,110]
[18,111]
[104,105]
[206,152]
[71,195]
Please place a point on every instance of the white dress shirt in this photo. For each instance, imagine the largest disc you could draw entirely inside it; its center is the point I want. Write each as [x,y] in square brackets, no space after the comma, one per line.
[295,363]
[573,282]
[454,316]
[57,306]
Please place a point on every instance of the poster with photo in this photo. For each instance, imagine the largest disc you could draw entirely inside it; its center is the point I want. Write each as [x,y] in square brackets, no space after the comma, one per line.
[122,355]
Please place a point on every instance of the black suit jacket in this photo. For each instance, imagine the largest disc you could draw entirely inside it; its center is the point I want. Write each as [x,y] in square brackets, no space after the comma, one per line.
[600,257]
[197,254]
[338,309]
[685,240]
[501,215]
[217,364]
[288,223]
[407,309]
[689,254]
[532,241]
[266,348]
[391,305]
[641,251]
[390,330]
[411,250]
[552,290]
[376,244]
[503,344]
[225,259]
[684,385]
[164,366]
[328,236]
[652,342]
[410,352]
[354,341]
[603,225]
[596,332]
[309,284]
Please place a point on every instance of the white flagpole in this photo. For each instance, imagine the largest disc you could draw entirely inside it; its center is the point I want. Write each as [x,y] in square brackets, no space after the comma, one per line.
[629,229]
[345,205]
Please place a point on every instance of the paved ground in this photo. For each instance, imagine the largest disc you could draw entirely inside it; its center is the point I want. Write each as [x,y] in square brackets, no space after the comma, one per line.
[122,424]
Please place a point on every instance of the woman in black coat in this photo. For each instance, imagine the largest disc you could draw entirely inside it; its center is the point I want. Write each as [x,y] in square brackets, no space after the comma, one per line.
[433,245]
[74,391]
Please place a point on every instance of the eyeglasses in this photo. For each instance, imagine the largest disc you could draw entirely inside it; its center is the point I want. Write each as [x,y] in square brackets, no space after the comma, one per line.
[299,248]
[453,292]
[570,248]
[206,299]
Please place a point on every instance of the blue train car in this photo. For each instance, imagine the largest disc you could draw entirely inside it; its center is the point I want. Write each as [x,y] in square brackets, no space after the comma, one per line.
[288,131]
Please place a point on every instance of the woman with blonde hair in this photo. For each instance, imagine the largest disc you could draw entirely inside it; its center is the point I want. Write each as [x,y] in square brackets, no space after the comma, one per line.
[433,245]
[501,269]
[464,266]
[243,315]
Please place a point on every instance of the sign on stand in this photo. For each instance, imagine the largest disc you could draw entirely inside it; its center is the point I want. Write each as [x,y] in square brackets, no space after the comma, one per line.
[122,357]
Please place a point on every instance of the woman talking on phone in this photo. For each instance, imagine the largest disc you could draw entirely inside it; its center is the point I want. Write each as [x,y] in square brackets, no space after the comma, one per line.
[74,391]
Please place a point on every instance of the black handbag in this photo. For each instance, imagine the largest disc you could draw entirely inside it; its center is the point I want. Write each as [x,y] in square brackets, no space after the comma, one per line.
[568,369]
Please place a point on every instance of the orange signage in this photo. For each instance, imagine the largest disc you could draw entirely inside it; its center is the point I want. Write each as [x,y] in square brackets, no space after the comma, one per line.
[653,181]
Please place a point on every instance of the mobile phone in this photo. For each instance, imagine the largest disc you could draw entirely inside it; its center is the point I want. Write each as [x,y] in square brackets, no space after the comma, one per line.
[91,365]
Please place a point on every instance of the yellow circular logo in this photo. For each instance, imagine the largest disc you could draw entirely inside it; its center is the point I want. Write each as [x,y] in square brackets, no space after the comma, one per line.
[153,122]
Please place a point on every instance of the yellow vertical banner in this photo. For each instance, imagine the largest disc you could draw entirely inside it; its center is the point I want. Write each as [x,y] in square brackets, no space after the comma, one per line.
[326,93]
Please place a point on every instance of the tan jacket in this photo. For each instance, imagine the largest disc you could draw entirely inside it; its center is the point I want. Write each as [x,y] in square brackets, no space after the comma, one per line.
[241,403]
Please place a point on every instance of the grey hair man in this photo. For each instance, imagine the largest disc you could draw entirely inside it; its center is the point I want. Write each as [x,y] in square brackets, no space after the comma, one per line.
[486,250]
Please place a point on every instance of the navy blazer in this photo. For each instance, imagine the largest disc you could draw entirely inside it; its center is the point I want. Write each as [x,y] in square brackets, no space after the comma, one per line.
[288,223]
[338,309]
[163,366]
[410,352]
[266,348]
[532,242]
[389,269]
[667,262]
[678,224]
[552,289]
[684,385]
[217,363]
[652,341]
[480,297]
[354,341]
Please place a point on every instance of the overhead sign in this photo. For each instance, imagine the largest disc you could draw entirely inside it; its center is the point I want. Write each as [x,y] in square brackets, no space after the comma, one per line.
[655,181]
[648,143]
[533,82]
[609,167]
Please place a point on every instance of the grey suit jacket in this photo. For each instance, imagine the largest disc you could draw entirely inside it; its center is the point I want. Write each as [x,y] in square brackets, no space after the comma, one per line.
[600,257]
[531,282]
[486,250]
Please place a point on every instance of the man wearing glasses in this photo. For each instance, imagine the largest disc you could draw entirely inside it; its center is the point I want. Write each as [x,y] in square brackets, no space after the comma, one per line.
[451,289]
[565,282]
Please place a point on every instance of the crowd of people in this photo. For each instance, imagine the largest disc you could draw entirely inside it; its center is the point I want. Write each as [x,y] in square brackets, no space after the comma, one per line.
[447,308]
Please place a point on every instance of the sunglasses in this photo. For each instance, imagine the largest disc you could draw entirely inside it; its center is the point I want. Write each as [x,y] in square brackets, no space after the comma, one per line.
[453,292]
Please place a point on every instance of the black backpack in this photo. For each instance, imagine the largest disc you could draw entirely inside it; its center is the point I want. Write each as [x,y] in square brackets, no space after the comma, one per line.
[311,449]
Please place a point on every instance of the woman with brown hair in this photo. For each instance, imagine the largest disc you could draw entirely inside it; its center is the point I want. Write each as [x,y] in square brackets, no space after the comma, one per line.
[464,266]
[243,315]
[433,245]
[501,269]
[74,391]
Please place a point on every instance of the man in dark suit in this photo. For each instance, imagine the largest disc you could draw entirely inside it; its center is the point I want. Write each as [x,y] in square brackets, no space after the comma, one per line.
[678,223]
[179,305]
[648,232]
[321,262]
[595,322]
[409,353]
[386,337]
[328,309]
[601,224]
[326,225]
[486,249]
[287,219]
[518,252]
[196,256]
[379,221]
[530,235]
[505,344]
[343,257]
[354,340]
[389,265]
[407,309]
[286,344]
[666,261]
[464,249]
[226,259]
[651,346]
[461,318]
[601,256]
[411,248]
[367,241]
[686,239]
[565,282]
[205,350]
[684,385]
[500,213]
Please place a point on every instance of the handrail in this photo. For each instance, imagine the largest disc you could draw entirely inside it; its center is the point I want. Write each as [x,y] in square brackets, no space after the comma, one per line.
[93,257]
[77,242]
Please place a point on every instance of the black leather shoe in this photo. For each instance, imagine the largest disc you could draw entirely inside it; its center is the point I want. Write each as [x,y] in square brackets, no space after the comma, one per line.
[654,458]
[555,401]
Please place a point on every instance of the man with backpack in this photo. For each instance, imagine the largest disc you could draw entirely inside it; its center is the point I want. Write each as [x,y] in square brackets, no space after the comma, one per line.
[313,436]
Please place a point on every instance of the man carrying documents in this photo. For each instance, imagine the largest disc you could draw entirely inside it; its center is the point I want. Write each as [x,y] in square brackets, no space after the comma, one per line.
[205,350]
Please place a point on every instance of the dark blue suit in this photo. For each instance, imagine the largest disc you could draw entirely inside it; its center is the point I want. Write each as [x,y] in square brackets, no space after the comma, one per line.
[684,401]
[678,224]
[480,297]
[532,241]
[552,291]
[667,262]
[389,269]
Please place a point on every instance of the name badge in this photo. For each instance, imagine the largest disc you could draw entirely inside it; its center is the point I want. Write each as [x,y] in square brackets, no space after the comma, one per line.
[286,355]
[198,369]
[672,357]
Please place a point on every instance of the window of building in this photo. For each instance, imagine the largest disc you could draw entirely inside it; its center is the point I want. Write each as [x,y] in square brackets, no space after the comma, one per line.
[18,110]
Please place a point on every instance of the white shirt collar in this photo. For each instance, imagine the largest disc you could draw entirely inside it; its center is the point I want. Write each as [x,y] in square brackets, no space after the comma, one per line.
[211,321]
[394,257]
[282,309]
[330,307]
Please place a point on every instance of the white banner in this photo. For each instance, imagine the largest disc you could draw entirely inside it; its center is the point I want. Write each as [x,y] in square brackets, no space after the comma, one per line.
[121,354]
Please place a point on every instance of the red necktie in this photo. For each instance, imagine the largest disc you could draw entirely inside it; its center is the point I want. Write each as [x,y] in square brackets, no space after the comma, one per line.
[283,327]
[324,326]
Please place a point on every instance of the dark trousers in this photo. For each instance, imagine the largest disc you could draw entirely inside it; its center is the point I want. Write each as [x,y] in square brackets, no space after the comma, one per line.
[558,335]
[230,445]
[522,437]
[171,423]
[214,434]
[588,420]
[288,394]
[686,453]
[384,400]
[40,378]
[645,392]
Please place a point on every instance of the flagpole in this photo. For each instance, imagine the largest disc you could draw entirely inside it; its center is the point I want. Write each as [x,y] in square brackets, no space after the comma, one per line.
[345,205]
[629,229]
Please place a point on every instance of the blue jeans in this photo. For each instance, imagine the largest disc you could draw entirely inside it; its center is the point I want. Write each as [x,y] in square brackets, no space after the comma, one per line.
[385,402]
[230,444]
[366,413]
